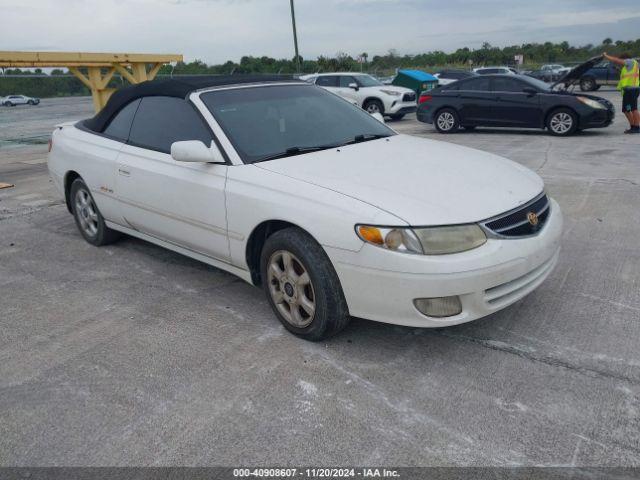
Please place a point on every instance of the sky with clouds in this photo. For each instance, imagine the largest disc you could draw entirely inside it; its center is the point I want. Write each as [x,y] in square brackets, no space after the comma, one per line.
[219,30]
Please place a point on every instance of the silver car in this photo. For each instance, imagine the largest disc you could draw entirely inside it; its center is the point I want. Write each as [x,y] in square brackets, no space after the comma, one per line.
[13,100]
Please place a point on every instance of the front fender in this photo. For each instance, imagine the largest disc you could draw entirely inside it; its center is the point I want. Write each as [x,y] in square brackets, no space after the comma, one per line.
[255,195]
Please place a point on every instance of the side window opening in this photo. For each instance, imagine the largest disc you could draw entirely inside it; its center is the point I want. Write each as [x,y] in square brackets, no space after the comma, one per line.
[476,84]
[500,84]
[327,81]
[120,125]
[346,80]
[161,121]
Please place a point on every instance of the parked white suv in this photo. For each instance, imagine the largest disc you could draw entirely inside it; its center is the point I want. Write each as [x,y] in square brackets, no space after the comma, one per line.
[368,93]
[13,100]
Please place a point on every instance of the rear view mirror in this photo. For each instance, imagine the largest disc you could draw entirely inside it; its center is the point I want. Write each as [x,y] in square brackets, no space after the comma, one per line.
[354,86]
[378,116]
[196,151]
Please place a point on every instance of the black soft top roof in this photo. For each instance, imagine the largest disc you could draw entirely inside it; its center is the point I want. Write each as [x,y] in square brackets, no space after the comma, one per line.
[179,87]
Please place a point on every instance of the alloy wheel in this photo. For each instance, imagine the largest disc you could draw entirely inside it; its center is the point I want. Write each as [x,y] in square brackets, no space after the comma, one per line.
[561,123]
[373,108]
[86,212]
[446,121]
[291,288]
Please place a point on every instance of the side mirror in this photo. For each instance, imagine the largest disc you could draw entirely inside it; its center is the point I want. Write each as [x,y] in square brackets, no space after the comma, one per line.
[354,85]
[530,91]
[196,151]
[378,116]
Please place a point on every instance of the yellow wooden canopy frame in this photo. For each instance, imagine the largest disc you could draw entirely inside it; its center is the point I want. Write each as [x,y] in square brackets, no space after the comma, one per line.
[100,67]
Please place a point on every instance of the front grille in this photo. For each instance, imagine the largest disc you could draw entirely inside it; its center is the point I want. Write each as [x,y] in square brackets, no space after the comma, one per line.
[409,97]
[517,223]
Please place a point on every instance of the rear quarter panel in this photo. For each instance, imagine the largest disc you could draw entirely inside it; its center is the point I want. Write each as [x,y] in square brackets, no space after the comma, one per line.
[91,156]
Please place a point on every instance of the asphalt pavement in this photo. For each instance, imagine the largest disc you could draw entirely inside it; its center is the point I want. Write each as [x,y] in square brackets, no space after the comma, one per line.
[134,355]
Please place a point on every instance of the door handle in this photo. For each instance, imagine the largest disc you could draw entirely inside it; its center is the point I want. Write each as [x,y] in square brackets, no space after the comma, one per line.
[124,173]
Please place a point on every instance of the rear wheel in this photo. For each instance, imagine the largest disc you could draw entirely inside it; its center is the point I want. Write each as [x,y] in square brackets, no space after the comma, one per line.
[446,121]
[562,122]
[88,218]
[8,104]
[373,106]
[302,286]
[587,84]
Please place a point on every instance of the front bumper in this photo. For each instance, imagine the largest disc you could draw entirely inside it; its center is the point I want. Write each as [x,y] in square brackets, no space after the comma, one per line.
[381,285]
[400,108]
[597,118]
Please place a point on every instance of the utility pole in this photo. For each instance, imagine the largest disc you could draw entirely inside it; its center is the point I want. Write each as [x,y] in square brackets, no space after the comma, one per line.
[295,36]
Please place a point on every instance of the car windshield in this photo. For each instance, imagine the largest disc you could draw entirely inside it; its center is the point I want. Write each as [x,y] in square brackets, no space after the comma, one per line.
[272,121]
[367,81]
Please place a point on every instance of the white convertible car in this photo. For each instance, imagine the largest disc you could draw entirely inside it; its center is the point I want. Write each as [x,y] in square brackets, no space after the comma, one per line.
[293,188]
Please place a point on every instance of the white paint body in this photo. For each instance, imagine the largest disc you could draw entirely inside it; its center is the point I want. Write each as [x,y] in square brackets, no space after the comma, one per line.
[208,212]
[392,104]
[501,70]
[18,100]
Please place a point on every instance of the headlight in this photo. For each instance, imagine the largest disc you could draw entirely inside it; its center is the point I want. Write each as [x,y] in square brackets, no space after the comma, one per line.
[397,239]
[427,241]
[442,240]
[591,103]
[391,93]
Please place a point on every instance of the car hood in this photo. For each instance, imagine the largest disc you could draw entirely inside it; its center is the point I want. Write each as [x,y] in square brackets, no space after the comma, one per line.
[577,72]
[423,182]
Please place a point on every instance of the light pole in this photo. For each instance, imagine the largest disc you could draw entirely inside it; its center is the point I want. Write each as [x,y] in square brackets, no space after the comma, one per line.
[295,35]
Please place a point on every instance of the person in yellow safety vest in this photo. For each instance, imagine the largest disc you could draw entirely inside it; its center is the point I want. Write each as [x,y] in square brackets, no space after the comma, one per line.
[629,86]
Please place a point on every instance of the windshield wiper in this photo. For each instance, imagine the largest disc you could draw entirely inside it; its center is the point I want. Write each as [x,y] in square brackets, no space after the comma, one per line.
[290,152]
[365,138]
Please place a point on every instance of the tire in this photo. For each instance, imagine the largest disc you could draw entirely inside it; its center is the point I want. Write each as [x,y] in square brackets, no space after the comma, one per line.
[562,122]
[446,121]
[587,84]
[9,104]
[397,117]
[374,106]
[31,102]
[88,218]
[302,286]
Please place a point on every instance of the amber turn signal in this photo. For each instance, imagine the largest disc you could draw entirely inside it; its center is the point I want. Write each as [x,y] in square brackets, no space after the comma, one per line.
[371,234]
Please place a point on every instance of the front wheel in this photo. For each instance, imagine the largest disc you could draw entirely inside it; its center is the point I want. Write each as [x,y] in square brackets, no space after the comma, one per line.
[31,102]
[446,121]
[88,218]
[562,122]
[302,286]
[374,106]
